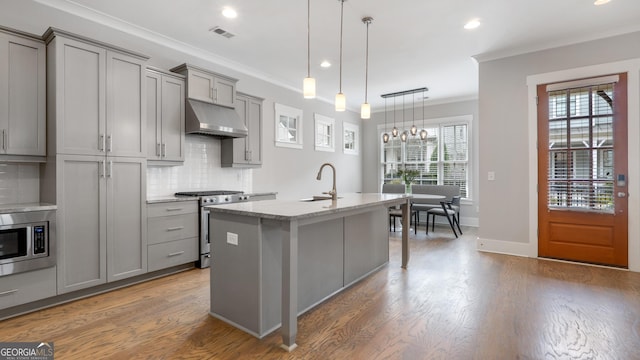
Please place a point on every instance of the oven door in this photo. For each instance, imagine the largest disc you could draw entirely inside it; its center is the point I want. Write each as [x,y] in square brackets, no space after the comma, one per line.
[205,244]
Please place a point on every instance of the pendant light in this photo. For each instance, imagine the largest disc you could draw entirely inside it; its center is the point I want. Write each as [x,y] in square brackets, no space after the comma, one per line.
[309,83]
[404,135]
[414,129]
[394,131]
[341,101]
[365,109]
[423,132]
[385,136]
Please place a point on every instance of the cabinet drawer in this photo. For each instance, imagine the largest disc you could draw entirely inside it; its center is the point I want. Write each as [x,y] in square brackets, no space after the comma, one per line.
[27,287]
[172,208]
[172,253]
[168,228]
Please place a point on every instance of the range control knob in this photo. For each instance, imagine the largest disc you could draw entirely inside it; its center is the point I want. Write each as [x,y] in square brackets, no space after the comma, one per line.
[205,200]
[226,199]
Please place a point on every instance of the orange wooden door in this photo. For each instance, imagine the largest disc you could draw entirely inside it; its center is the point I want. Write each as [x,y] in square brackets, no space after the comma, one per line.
[582,170]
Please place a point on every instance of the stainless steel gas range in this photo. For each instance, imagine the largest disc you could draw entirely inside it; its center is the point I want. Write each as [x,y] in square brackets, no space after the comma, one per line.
[213,197]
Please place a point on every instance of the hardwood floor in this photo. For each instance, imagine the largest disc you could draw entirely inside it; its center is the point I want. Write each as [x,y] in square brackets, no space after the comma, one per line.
[452,303]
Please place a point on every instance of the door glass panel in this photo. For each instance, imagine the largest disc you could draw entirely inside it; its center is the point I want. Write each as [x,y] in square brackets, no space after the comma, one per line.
[581,149]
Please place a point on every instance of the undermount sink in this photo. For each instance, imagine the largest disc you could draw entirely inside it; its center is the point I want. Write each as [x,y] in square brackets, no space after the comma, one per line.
[318,198]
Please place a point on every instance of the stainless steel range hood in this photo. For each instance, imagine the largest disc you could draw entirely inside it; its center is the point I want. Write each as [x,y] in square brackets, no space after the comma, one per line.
[208,119]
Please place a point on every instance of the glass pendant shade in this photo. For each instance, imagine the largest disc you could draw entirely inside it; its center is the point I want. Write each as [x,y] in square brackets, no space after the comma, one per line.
[341,102]
[414,130]
[423,134]
[404,136]
[394,132]
[309,88]
[385,138]
[365,111]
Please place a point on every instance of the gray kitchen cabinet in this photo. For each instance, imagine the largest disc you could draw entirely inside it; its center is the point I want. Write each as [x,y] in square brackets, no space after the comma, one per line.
[247,151]
[172,230]
[22,95]
[96,96]
[26,287]
[101,220]
[165,117]
[208,86]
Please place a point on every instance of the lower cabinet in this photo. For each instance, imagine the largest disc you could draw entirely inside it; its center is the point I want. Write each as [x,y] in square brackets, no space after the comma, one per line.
[26,287]
[172,229]
[101,220]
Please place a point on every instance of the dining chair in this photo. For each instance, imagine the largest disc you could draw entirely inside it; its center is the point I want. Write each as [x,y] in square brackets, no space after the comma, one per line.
[395,212]
[448,209]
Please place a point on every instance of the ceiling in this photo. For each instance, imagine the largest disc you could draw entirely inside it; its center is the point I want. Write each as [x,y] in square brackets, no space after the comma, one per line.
[412,43]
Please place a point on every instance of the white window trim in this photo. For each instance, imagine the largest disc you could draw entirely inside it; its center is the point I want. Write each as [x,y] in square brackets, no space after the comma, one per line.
[356,138]
[290,112]
[328,122]
[451,120]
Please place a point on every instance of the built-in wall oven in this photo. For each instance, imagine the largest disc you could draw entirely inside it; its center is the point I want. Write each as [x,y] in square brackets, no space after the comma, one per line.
[213,197]
[26,242]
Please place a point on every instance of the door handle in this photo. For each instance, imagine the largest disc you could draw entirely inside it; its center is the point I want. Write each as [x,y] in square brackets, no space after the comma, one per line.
[622,194]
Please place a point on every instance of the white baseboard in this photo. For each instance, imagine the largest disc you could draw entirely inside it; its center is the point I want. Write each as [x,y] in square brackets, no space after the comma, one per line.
[503,247]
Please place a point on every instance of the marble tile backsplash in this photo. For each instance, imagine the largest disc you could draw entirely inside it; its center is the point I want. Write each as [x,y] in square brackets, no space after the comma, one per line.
[19,183]
[201,171]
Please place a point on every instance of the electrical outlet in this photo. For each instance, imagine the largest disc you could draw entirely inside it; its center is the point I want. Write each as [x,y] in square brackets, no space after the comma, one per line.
[491,176]
[232,238]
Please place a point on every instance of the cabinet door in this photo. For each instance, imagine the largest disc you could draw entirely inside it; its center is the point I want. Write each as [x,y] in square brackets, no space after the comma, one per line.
[23,120]
[240,154]
[200,86]
[126,120]
[172,119]
[81,226]
[224,92]
[126,217]
[80,73]
[254,124]
[154,111]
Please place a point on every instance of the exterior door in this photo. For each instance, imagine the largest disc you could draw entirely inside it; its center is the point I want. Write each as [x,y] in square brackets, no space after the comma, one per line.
[582,170]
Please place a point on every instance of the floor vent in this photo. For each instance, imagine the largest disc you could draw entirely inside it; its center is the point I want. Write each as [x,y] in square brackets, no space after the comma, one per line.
[220,31]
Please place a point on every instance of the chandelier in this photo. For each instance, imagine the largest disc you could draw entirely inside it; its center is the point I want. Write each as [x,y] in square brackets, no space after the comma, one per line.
[404,135]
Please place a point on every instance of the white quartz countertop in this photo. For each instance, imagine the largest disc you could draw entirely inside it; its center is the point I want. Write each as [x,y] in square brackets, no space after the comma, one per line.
[298,209]
[16,208]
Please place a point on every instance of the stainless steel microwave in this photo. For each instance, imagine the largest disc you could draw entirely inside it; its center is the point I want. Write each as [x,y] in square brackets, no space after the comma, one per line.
[26,242]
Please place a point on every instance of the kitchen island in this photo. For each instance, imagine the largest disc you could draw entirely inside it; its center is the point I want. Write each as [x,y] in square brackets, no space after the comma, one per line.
[273,260]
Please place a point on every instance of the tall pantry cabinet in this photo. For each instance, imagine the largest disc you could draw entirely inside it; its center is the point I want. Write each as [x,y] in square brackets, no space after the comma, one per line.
[96,159]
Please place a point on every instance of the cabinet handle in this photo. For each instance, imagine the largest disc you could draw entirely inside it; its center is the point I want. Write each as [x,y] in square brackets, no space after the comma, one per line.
[175,228]
[215,92]
[101,143]
[164,150]
[211,93]
[176,253]
[110,169]
[9,292]
[174,209]
[103,168]
[109,142]
[4,139]
[158,153]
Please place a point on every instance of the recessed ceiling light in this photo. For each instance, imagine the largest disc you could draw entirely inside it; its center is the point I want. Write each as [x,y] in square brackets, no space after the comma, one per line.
[229,13]
[600,2]
[325,64]
[472,24]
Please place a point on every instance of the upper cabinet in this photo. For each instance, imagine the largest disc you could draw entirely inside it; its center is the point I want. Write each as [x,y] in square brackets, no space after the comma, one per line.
[208,86]
[165,117]
[246,151]
[96,97]
[22,95]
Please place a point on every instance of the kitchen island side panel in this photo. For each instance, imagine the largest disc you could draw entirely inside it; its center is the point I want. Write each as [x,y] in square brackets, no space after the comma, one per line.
[235,271]
[366,244]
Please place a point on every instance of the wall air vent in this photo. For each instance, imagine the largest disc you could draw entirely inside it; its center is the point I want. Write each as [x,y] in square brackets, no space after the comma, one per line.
[220,31]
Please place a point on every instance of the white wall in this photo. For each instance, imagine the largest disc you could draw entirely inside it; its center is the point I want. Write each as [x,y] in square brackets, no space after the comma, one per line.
[371,143]
[291,173]
[508,217]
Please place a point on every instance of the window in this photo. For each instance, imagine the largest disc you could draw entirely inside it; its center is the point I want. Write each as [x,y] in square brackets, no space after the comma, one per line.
[441,159]
[325,135]
[351,144]
[288,126]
